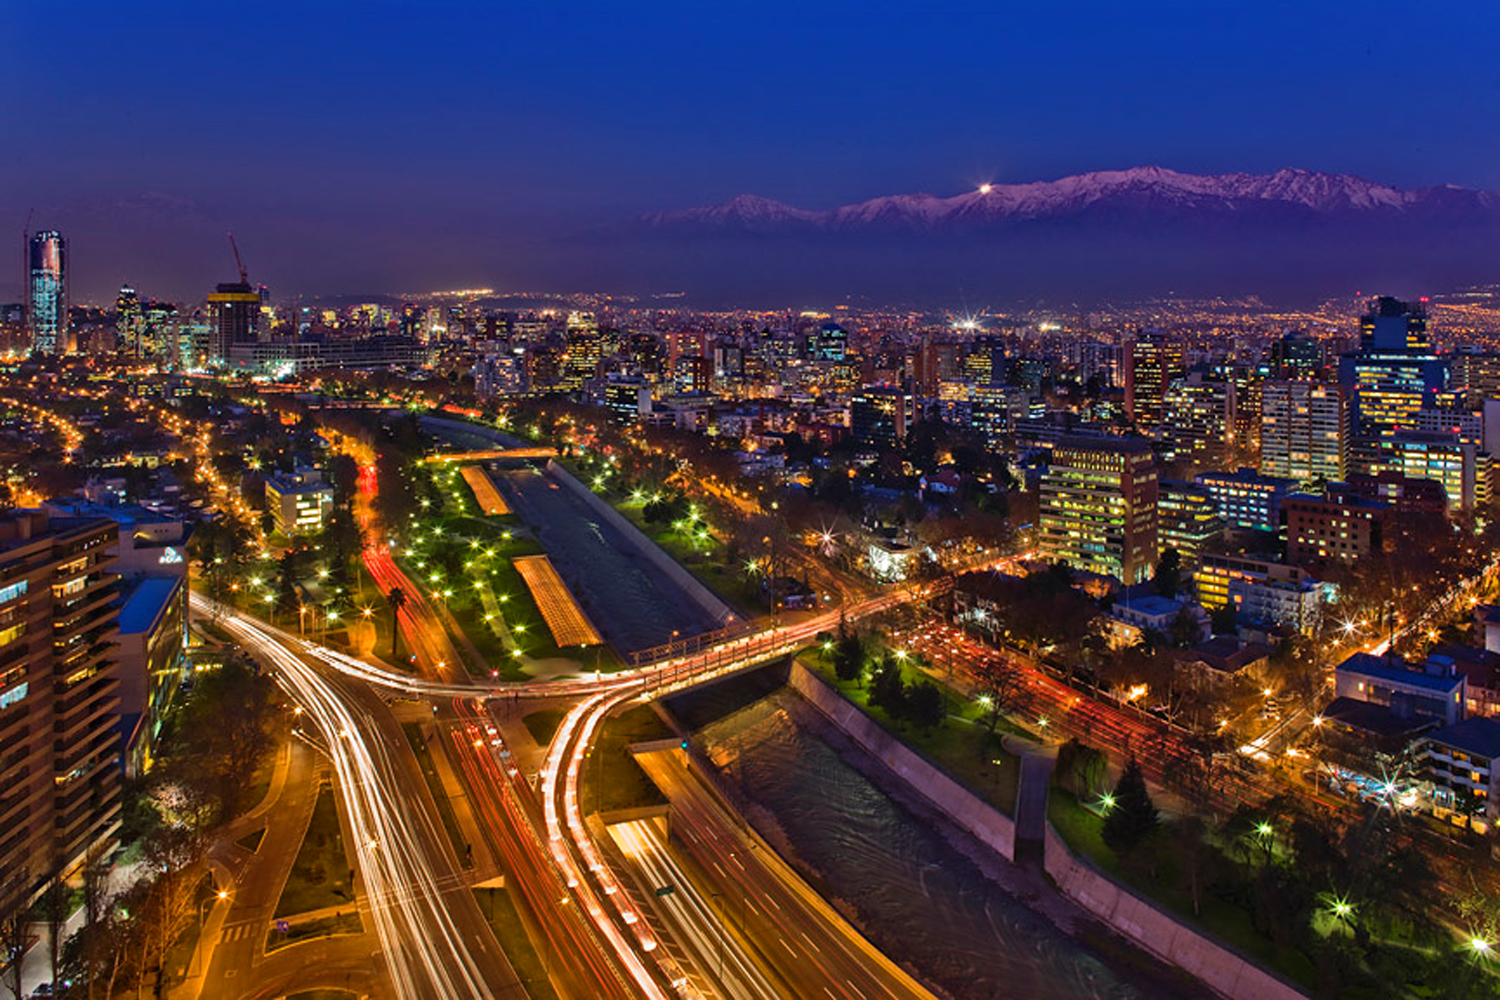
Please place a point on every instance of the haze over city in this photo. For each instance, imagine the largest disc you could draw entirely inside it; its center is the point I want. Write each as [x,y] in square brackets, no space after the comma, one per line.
[478,146]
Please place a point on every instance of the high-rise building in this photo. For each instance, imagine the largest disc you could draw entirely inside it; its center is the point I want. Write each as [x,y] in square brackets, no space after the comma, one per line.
[691,373]
[584,351]
[128,321]
[830,343]
[1392,325]
[1247,499]
[1188,519]
[1297,355]
[1321,530]
[1098,507]
[47,292]
[1152,363]
[1304,431]
[234,310]
[1200,420]
[59,697]
[879,417]
[160,330]
[1477,373]
[1395,372]
[1461,468]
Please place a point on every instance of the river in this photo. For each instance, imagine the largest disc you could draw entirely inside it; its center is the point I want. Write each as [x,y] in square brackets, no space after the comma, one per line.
[924,892]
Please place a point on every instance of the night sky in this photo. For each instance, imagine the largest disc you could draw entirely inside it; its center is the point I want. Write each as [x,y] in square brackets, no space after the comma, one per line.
[400,147]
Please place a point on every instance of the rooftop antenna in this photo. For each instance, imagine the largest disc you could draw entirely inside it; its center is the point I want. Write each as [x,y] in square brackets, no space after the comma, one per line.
[244,277]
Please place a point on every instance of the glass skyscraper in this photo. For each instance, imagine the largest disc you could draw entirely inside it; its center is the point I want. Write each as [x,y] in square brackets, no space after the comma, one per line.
[47,292]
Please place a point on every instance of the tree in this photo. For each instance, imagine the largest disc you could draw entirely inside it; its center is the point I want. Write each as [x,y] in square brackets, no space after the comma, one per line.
[1132,815]
[1168,576]
[1080,768]
[848,657]
[397,600]
[1001,690]
[1189,839]
[221,734]
[171,855]
[13,940]
[925,705]
[887,689]
[54,909]
[1224,619]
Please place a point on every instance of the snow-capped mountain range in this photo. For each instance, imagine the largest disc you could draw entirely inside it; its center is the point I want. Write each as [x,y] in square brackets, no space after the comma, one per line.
[1138,192]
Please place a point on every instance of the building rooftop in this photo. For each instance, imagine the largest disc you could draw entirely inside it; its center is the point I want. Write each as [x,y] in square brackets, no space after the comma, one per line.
[1244,475]
[1479,735]
[1398,671]
[1151,605]
[144,605]
[1370,718]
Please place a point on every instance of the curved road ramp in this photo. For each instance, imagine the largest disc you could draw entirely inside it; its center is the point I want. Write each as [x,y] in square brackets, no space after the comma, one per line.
[569,625]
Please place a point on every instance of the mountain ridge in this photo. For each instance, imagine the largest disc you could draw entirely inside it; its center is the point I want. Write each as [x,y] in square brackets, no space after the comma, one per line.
[1145,190]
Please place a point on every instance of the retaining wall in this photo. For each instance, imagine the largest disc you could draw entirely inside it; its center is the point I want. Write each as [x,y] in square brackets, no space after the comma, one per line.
[669,567]
[990,826]
[1222,970]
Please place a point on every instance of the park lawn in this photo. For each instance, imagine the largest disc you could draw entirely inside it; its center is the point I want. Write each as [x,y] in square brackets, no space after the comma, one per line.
[542,725]
[961,747]
[611,777]
[705,559]
[423,752]
[319,875]
[500,911]
[1082,830]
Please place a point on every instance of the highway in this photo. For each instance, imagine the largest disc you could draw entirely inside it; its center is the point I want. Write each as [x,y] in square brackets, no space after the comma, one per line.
[435,942]
[806,947]
[579,964]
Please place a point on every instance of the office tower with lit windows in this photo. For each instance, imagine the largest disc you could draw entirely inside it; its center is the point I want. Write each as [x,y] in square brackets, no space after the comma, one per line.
[47,292]
[1187,519]
[1477,374]
[692,374]
[880,416]
[585,349]
[1247,499]
[1304,432]
[1098,507]
[128,321]
[1152,363]
[59,697]
[1297,355]
[1395,372]
[234,319]
[1200,420]
[829,343]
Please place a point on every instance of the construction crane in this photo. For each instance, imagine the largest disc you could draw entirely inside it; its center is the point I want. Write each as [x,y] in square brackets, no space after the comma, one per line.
[244,276]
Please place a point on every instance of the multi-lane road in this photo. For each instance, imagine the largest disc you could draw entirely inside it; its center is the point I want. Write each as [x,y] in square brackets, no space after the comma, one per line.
[435,941]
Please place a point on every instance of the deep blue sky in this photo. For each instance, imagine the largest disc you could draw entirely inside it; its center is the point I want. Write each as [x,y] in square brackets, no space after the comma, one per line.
[390,146]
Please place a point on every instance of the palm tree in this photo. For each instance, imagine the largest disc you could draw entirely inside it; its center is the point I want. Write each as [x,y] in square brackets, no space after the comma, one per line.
[397,600]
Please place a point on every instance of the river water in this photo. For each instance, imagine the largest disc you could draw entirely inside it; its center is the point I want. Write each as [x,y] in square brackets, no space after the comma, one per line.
[923,891]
